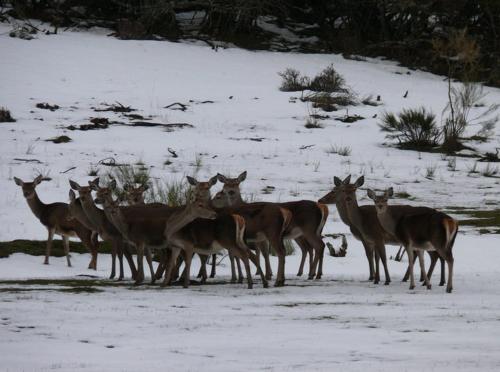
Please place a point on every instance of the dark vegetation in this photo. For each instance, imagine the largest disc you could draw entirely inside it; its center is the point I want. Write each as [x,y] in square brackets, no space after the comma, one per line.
[5,116]
[398,29]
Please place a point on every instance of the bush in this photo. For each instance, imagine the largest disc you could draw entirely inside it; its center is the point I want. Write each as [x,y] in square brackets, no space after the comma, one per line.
[292,81]
[328,81]
[171,193]
[5,116]
[412,128]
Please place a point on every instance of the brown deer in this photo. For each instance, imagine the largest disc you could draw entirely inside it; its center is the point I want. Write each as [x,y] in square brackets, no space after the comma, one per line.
[57,219]
[135,196]
[206,237]
[363,223]
[419,229]
[145,225]
[104,227]
[306,224]
[227,230]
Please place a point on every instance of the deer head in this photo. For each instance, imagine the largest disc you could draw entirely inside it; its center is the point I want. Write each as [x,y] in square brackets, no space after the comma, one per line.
[380,200]
[231,188]
[336,194]
[349,191]
[104,194]
[29,187]
[202,189]
[85,192]
[135,195]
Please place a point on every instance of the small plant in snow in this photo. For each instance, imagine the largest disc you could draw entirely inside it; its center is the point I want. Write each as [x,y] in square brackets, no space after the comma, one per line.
[473,169]
[328,80]
[430,171]
[452,164]
[490,170]
[339,150]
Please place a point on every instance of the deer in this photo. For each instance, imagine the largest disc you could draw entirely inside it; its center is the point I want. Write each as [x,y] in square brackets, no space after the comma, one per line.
[135,196]
[232,228]
[307,219]
[363,223]
[57,219]
[104,227]
[145,225]
[419,229]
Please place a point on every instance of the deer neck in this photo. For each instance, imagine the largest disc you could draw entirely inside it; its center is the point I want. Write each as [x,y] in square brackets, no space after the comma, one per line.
[118,222]
[342,209]
[36,205]
[77,211]
[353,213]
[178,220]
[387,221]
[93,213]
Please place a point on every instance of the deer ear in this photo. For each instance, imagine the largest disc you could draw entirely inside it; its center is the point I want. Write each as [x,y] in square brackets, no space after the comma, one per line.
[347,180]
[389,192]
[242,177]
[337,181]
[94,185]
[72,196]
[221,178]
[38,179]
[192,181]
[74,185]
[360,181]
[112,184]
[212,181]
[370,194]
[18,181]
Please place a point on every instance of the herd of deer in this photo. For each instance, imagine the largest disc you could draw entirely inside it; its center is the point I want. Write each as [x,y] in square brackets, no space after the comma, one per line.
[208,224]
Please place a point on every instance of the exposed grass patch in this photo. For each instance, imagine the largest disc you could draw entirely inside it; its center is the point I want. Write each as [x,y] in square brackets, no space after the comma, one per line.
[487,221]
[38,247]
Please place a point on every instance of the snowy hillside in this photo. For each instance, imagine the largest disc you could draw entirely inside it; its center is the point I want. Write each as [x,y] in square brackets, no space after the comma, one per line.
[340,322]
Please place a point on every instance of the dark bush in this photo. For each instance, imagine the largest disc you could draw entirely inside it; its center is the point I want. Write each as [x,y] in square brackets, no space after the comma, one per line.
[5,116]
[328,80]
[412,128]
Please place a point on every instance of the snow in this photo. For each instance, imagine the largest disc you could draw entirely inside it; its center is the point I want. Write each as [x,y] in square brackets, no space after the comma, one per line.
[339,322]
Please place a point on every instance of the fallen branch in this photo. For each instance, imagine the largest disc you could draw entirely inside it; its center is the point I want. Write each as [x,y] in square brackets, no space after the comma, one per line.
[173,153]
[183,107]
[28,160]
[67,170]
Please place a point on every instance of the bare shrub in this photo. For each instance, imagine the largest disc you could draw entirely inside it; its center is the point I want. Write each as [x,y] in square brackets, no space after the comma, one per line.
[328,80]
[292,81]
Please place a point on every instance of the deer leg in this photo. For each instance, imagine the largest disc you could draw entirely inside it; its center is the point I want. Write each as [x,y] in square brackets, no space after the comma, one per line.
[140,267]
[377,267]
[233,268]
[149,259]
[161,266]
[279,247]
[256,262]
[400,254]
[120,260]
[407,274]
[409,252]
[172,261]
[449,261]
[130,260]
[442,281]
[315,246]
[303,257]
[95,248]
[369,257]
[422,268]
[434,257]
[264,249]
[383,257]
[240,273]
[51,232]
[203,268]
[113,261]
[214,265]
[257,254]
[187,268]
[66,249]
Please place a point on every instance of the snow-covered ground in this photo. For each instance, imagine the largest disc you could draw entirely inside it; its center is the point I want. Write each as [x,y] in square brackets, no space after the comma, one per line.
[340,322]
